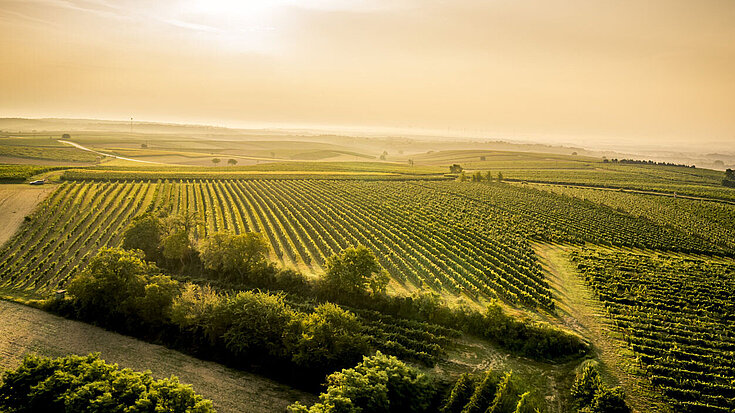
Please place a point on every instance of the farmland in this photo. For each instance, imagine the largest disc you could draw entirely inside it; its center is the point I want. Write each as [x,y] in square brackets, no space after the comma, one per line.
[675,313]
[471,242]
[30,330]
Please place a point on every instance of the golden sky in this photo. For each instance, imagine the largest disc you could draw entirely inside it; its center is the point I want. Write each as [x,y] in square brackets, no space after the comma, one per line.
[654,71]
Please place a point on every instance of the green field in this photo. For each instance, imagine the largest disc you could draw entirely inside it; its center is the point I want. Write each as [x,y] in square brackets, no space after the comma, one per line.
[660,265]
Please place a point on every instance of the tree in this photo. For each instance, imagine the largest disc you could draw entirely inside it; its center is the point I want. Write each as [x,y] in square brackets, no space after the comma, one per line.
[378,384]
[410,162]
[232,162]
[158,295]
[462,177]
[216,161]
[144,145]
[353,270]
[66,136]
[176,245]
[111,283]
[382,157]
[261,323]
[500,177]
[144,233]
[455,168]
[330,337]
[229,253]
[178,237]
[88,384]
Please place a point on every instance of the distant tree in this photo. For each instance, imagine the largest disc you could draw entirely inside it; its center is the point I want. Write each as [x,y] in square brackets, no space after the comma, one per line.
[729,178]
[355,269]
[477,177]
[88,384]
[66,136]
[574,153]
[488,176]
[455,168]
[382,157]
[385,153]
[500,177]
[216,161]
[462,176]
[144,145]
[410,162]
[482,158]
[232,161]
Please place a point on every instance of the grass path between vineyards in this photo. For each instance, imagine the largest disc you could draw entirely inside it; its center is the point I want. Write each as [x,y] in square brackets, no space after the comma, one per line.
[578,310]
[25,329]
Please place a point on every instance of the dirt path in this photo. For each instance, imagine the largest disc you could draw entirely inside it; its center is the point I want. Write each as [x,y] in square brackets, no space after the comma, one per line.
[578,310]
[78,146]
[17,201]
[24,329]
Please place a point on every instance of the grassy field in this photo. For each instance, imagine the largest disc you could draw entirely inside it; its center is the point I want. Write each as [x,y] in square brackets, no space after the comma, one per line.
[24,329]
[17,202]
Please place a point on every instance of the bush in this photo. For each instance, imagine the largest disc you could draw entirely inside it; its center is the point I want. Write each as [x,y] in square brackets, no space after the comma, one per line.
[590,395]
[378,384]
[77,384]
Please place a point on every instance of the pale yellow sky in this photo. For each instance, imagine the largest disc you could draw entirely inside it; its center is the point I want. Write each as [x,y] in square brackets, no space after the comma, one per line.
[654,72]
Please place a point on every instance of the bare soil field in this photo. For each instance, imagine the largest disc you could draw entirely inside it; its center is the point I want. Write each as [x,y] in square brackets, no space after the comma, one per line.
[17,201]
[25,329]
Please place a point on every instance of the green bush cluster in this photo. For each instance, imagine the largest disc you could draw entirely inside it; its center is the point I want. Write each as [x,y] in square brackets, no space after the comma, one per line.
[120,290]
[378,384]
[88,384]
[590,395]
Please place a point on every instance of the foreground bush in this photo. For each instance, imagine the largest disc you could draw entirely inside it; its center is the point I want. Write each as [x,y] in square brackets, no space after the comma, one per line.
[590,395]
[88,384]
[379,384]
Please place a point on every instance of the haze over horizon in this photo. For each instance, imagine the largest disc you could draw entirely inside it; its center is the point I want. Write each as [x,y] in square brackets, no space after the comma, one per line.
[658,73]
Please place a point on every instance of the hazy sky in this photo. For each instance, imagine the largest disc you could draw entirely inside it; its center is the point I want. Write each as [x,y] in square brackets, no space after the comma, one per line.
[649,71]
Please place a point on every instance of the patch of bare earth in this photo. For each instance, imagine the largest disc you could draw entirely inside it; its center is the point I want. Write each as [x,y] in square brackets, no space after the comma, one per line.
[17,201]
[580,311]
[25,329]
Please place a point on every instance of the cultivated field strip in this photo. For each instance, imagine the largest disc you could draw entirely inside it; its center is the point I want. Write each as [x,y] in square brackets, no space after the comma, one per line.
[421,237]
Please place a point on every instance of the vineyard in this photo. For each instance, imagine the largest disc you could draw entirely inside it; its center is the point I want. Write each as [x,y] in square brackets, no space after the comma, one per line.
[676,314]
[460,238]
[443,242]
[709,220]
[551,217]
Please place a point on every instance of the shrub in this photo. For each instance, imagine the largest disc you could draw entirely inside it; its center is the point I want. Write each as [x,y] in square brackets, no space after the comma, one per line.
[87,383]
